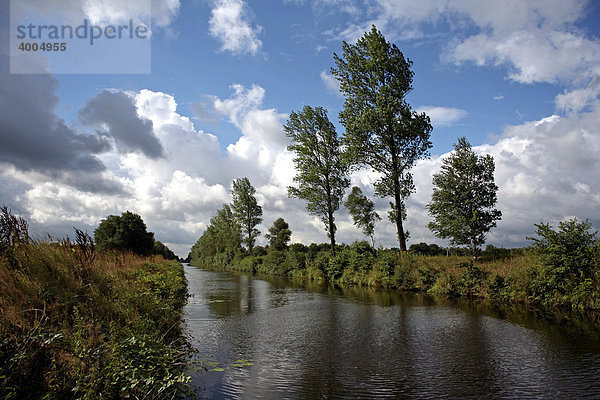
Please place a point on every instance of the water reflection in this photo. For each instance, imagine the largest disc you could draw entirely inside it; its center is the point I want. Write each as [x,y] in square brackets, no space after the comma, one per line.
[318,342]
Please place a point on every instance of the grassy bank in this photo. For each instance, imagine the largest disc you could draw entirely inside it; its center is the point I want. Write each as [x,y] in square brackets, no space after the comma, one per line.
[74,324]
[527,276]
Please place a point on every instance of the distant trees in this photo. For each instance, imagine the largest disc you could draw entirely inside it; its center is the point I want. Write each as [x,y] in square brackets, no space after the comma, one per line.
[425,249]
[161,249]
[279,234]
[363,212]
[126,232]
[464,196]
[321,172]
[382,132]
[222,238]
[246,211]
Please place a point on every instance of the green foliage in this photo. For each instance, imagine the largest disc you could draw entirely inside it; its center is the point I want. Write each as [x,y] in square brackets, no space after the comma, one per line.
[116,334]
[161,249]
[405,272]
[363,212]
[425,249]
[470,283]
[220,242]
[279,234]
[246,211]
[259,251]
[571,258]
[126,232]
[382,132]
[428,275]
[321,174]
[464,196]
[571,251]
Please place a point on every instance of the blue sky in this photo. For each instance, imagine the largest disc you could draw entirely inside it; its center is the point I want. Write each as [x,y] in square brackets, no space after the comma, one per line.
[520,80]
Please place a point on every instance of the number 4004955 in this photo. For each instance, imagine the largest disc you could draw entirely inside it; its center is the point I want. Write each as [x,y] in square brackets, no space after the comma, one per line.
[42,46]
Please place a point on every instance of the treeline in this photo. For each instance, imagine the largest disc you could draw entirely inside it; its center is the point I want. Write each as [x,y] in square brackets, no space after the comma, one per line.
[383,133]
[560,269]
[80,323]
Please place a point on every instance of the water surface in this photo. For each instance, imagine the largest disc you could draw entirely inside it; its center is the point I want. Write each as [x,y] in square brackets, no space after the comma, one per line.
[268,338]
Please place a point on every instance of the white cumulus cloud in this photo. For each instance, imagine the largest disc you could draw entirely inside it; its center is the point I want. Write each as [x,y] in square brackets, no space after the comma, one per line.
[231,24]
[443,116]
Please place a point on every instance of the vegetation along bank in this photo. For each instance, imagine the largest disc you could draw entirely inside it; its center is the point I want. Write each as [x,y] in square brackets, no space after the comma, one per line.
[81,323]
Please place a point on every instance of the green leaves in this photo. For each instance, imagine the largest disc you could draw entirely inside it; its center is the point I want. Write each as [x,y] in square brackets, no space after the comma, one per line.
[382,132]
[464,196]
[246,211]
[572,251]
[322,173]
[220,241]
[279,234]
[126,232]
[363,212]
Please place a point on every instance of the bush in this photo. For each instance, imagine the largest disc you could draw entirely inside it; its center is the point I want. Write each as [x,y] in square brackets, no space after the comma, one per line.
[570,257]
[571,252]
[471,281]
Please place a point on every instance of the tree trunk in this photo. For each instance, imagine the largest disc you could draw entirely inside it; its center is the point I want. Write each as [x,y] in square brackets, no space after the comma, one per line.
[399,228]
[373,241]
[250,246]
[474,245]
[331,231]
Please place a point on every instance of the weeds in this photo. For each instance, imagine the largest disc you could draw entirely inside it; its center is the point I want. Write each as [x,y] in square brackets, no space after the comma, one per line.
[75,323]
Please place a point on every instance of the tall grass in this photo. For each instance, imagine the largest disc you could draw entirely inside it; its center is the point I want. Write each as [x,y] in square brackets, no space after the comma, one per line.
[77,326]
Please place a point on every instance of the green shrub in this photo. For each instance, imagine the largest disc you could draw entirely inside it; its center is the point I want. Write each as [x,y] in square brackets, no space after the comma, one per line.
[471,281]
[428,274]
[570,258]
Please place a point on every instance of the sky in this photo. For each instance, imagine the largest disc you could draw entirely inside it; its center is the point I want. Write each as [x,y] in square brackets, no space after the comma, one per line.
[519,79]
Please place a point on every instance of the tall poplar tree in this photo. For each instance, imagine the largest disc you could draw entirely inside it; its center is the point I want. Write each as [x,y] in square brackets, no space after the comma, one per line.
[321,174]
[464,196]
[245,210]
[382,132]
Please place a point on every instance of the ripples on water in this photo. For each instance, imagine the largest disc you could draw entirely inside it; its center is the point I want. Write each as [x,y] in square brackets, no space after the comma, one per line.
[270,339]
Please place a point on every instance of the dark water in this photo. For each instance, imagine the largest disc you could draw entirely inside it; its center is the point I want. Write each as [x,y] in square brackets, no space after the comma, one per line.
[271,339]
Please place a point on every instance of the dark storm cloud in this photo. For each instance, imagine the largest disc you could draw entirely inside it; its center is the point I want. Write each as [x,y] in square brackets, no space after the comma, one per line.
[33,138]
[118,111]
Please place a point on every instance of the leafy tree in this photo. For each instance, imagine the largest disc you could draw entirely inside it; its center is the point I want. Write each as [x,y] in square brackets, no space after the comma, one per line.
[246,210]
[279,234]
[126,232]
[382,132]
[464,196]
[363,212]
[321,171]
[220,241]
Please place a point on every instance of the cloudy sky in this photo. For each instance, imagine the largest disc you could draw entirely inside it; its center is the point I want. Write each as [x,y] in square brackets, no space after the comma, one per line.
[519,79]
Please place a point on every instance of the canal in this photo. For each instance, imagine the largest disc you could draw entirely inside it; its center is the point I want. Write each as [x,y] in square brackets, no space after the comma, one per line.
[270,338]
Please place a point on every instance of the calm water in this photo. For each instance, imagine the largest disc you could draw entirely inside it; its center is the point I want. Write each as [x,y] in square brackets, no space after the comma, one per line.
[270,339]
